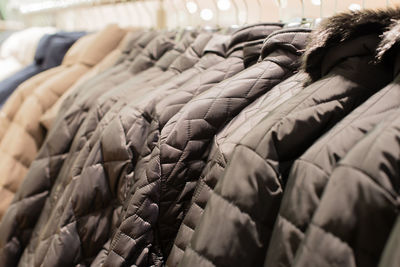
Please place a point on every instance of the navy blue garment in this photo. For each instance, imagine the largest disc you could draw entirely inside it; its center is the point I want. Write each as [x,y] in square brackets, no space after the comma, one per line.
[49,54]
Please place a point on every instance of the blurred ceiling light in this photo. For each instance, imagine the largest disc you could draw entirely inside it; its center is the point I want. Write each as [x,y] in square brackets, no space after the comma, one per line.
[354,7]
[316,2]
[191,7]
[224,4]
[206,14]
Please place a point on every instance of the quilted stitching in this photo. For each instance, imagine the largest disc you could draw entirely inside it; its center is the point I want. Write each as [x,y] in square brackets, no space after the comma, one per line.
[268,141]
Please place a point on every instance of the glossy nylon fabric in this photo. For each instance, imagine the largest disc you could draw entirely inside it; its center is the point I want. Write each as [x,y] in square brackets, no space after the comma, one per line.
[179,175]
[244,204]
[67,196]
[30,199]
[391,254]
[221,152]
[360,203]
[149,190]
[62,189]
[113,158]
[311,172]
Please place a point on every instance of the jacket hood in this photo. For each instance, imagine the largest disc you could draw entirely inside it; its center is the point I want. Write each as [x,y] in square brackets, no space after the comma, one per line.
[218,44]
[344,27]
[292,40]
[251,52]
[281,43]
[251,33]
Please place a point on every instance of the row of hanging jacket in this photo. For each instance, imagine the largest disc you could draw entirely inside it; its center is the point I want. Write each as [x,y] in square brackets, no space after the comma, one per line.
[268,146]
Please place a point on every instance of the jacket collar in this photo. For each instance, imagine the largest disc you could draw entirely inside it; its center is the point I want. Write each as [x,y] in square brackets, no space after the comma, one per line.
[341,28]
[251,33]
[292,40]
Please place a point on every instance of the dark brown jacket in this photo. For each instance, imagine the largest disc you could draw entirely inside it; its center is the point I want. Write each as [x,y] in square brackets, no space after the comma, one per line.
[221,152]
[353,198]
[310,172]
[151,191]
[244,204]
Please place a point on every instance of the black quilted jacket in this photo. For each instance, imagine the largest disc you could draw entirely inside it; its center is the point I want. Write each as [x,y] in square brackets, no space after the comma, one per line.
[221,152]
[311,171]
[244,203]
[198,121]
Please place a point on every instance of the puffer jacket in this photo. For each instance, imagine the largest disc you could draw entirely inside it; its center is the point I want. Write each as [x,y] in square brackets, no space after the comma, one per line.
[29,201]
[83,245]
[359,198]
[157,230]
[137,90]
[68,191]
[360,203]
[310,172]
[221,152]
[167,102]
[106,63]
[244,203]
[391,254]
[21,134]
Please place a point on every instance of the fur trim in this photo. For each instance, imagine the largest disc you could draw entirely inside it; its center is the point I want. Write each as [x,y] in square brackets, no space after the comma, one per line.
[390,39]
[343,27]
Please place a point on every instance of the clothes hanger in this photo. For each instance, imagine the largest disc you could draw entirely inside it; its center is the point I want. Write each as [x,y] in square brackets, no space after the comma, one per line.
[235,26]
[246,6]
[149,13]
[304,22]
[176,11]
[217,26]
[260,9]
[235,6]
[131,9]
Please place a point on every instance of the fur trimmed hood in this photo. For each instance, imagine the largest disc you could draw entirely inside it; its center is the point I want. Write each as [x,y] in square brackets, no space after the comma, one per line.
[346,26]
